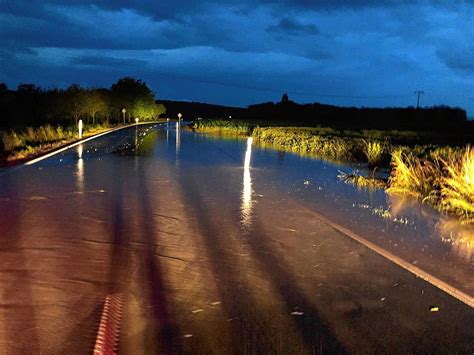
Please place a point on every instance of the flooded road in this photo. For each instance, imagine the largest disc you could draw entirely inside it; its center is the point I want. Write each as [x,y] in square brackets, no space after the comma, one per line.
[217,248]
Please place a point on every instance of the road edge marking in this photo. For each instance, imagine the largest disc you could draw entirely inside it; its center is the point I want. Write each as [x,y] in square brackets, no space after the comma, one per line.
[72,145]
[433,280]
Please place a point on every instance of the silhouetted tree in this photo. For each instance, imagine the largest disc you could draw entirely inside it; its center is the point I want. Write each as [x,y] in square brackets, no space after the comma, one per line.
[94,103]
[126,92]
[75,102]
[3,88]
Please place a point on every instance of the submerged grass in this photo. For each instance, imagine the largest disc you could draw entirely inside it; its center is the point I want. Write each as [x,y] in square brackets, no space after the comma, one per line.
[361,181]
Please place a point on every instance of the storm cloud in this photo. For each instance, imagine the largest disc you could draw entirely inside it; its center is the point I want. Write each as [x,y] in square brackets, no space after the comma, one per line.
[362,53]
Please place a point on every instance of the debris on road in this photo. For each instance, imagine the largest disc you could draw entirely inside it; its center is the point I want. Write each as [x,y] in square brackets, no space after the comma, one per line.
[297,313]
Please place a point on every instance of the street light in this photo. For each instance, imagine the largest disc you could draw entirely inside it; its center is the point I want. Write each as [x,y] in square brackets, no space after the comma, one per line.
[179,117]
[123,114]
[136,119]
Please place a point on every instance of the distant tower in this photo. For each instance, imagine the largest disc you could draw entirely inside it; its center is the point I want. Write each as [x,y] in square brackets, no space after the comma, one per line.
[284,98]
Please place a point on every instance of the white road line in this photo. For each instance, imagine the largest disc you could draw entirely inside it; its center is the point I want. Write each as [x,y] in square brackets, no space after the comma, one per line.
[442,285]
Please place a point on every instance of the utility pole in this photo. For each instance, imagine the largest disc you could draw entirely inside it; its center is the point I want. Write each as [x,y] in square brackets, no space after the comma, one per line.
[418,93]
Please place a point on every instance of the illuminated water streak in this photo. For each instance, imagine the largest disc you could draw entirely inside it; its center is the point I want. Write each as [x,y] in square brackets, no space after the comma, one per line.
[80,169]
[136,138]
[246,208]
[178,140]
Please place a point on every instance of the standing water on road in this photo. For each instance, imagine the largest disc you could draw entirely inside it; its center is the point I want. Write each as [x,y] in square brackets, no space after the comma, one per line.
[217,247]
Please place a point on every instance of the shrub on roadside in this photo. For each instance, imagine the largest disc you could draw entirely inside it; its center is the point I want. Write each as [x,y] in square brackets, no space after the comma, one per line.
[457,185]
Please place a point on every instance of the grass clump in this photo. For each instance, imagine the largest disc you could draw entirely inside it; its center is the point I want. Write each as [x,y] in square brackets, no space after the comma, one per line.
[442,177]
[223,127]
[374,152]
[415,176]
[457,185]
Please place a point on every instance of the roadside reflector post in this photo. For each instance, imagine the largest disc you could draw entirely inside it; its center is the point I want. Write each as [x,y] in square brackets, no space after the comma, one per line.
[80,126]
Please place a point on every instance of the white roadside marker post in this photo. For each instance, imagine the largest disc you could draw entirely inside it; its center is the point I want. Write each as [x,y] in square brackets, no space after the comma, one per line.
[80,126]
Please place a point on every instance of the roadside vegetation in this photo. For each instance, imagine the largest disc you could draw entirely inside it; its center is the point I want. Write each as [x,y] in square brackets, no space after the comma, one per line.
[442,176]
[223,127]
[23,145]
[35,120]
[361,181]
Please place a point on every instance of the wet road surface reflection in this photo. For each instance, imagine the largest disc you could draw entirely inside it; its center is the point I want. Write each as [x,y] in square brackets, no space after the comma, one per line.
[216,249]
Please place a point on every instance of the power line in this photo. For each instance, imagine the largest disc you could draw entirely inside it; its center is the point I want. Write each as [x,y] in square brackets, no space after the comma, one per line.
[267,89]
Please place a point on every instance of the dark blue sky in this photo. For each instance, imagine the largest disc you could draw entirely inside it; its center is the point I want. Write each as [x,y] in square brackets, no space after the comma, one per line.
[362,53]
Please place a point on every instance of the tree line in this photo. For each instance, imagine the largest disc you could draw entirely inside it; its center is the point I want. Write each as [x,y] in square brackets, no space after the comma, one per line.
[286,112]
[32,106]
[435,118]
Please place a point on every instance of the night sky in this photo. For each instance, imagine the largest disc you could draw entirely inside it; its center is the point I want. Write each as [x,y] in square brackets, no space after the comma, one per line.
[361,53]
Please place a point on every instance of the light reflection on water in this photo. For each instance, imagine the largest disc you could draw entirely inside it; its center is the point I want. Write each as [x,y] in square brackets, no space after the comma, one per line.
[80,169]
[459,236]
[178,139]
[246,208]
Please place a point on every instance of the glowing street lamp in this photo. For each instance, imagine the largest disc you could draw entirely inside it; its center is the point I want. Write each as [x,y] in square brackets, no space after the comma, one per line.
[179,117]
[136,119]
[123,114]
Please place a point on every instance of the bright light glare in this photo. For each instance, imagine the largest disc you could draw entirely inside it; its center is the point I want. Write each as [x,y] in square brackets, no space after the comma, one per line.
[246,208]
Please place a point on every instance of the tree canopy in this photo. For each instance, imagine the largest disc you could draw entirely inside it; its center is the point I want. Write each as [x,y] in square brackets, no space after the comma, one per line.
[30,105]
